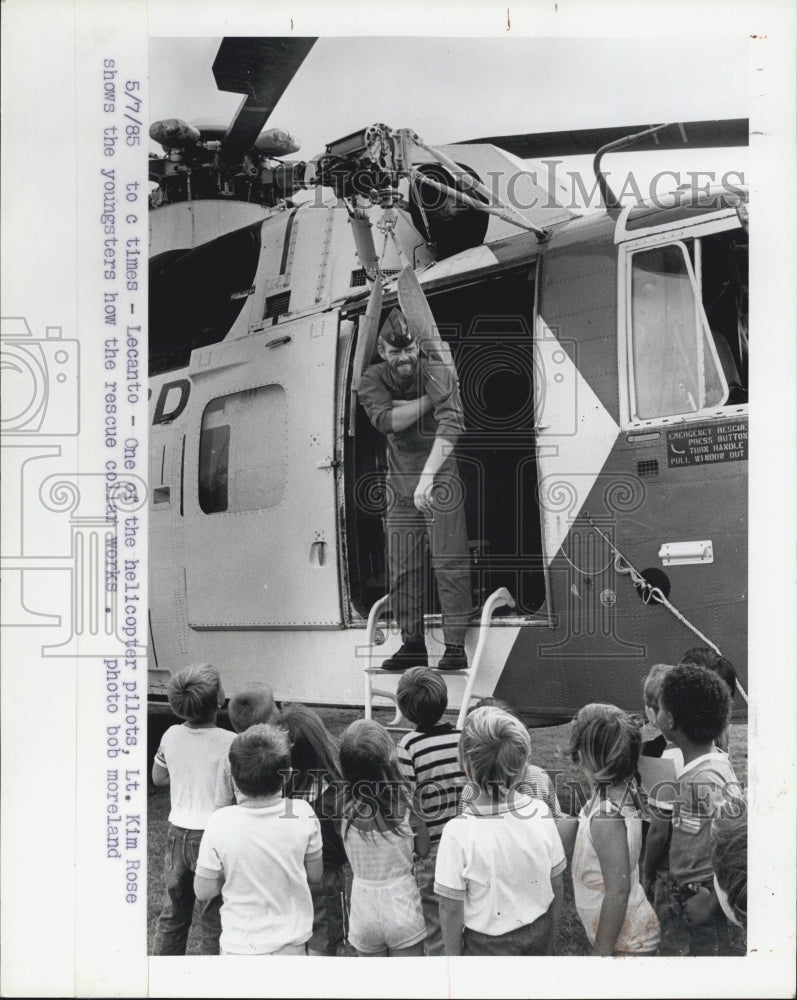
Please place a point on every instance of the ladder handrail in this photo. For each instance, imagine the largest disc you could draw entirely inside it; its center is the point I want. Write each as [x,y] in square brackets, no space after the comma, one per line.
[498,599]
[370,629]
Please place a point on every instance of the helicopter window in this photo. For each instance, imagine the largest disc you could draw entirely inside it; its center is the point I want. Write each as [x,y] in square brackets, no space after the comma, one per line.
[723,276]
[675,363]
[242,461]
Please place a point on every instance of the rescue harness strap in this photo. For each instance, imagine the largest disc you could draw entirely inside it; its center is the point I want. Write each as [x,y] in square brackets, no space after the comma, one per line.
[650,593]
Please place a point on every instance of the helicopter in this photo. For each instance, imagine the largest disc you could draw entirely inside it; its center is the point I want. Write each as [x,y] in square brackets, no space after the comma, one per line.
[603,367]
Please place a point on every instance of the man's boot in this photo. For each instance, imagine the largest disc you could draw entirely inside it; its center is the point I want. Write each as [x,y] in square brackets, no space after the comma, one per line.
[411,654]
[453,658]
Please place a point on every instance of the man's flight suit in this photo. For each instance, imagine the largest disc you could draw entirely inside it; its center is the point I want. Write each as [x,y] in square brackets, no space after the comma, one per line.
[405,525]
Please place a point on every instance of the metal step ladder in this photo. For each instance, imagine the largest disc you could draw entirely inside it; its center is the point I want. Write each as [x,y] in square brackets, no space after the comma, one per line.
[498,599]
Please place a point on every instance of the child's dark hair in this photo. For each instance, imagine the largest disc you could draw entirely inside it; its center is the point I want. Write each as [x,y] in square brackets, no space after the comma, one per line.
[252,706]
[375,794]
[607,740]
[702,656]
[422,696]
[260,759]
[313,748]
[193,693]
[697,700]
[729,860]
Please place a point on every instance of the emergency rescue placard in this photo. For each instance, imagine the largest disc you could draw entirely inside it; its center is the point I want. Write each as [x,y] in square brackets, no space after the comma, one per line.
[708,443]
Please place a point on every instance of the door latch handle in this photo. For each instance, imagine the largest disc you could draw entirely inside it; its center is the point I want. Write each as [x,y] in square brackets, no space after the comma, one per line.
[318,552]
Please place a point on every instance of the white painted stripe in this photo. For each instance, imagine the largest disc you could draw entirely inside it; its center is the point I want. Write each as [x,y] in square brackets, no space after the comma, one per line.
[463,262]
[575,435]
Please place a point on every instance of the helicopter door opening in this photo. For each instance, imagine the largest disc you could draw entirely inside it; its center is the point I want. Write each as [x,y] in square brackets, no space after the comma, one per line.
[488,325]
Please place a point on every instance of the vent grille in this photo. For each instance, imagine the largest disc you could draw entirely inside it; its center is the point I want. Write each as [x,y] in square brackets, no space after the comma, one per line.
[647,468]
[277,305]
[358,279]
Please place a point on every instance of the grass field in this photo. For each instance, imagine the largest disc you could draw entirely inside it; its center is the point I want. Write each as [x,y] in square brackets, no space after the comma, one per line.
[549,750]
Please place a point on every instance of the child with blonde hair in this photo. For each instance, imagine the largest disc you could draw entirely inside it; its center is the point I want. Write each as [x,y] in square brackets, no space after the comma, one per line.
[500,862]
[610,901]
[656,881]
[187,760]
[380,832]
[534,781]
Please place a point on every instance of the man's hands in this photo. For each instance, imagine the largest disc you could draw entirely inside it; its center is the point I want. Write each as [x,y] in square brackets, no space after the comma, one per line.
[422,497]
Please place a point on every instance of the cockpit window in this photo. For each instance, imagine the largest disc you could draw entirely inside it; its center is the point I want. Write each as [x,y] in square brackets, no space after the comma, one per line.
[675,365]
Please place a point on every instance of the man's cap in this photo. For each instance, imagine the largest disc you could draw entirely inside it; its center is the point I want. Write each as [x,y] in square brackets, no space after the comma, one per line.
[396,331]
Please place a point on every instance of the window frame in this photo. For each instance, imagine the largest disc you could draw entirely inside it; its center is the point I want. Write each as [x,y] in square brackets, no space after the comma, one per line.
[202,429]
[627,250]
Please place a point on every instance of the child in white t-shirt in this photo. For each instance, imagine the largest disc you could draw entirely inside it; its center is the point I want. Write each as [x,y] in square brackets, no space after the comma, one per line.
[253,706]
[262,853]
[500,863]
[187,760]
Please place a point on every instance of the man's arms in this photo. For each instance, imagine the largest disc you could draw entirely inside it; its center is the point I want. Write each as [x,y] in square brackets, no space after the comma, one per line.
[406,412]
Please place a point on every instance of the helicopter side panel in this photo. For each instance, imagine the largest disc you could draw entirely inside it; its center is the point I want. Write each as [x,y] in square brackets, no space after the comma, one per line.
[627,505]
[260,523]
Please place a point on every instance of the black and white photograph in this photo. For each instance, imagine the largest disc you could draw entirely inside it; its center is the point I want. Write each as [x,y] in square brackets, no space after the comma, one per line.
[420,581]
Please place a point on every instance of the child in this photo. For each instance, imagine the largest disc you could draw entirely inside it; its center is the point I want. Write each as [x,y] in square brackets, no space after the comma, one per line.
[429,760]
[260,863]
[500,863]
[610,901]
[656,744]
[693,711]
[705,657]
[252,706]
[187,760]
[656,881]
[386,917]
[534,781]
[729,857]
[316,778]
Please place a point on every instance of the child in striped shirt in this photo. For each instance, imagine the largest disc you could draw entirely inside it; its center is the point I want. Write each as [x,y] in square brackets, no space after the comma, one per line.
[429,760]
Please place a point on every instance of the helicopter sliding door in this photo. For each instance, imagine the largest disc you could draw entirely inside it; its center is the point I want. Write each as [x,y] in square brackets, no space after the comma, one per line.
[261,539]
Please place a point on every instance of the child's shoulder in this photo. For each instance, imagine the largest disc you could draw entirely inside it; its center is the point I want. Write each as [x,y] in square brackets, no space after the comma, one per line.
[202,740]
[715,768]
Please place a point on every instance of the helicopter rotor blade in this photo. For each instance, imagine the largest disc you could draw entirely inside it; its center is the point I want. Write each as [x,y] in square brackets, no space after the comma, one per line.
[260,69]
[699,134]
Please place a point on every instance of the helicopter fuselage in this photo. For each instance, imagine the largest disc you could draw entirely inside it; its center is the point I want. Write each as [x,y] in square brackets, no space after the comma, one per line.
[602,371]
